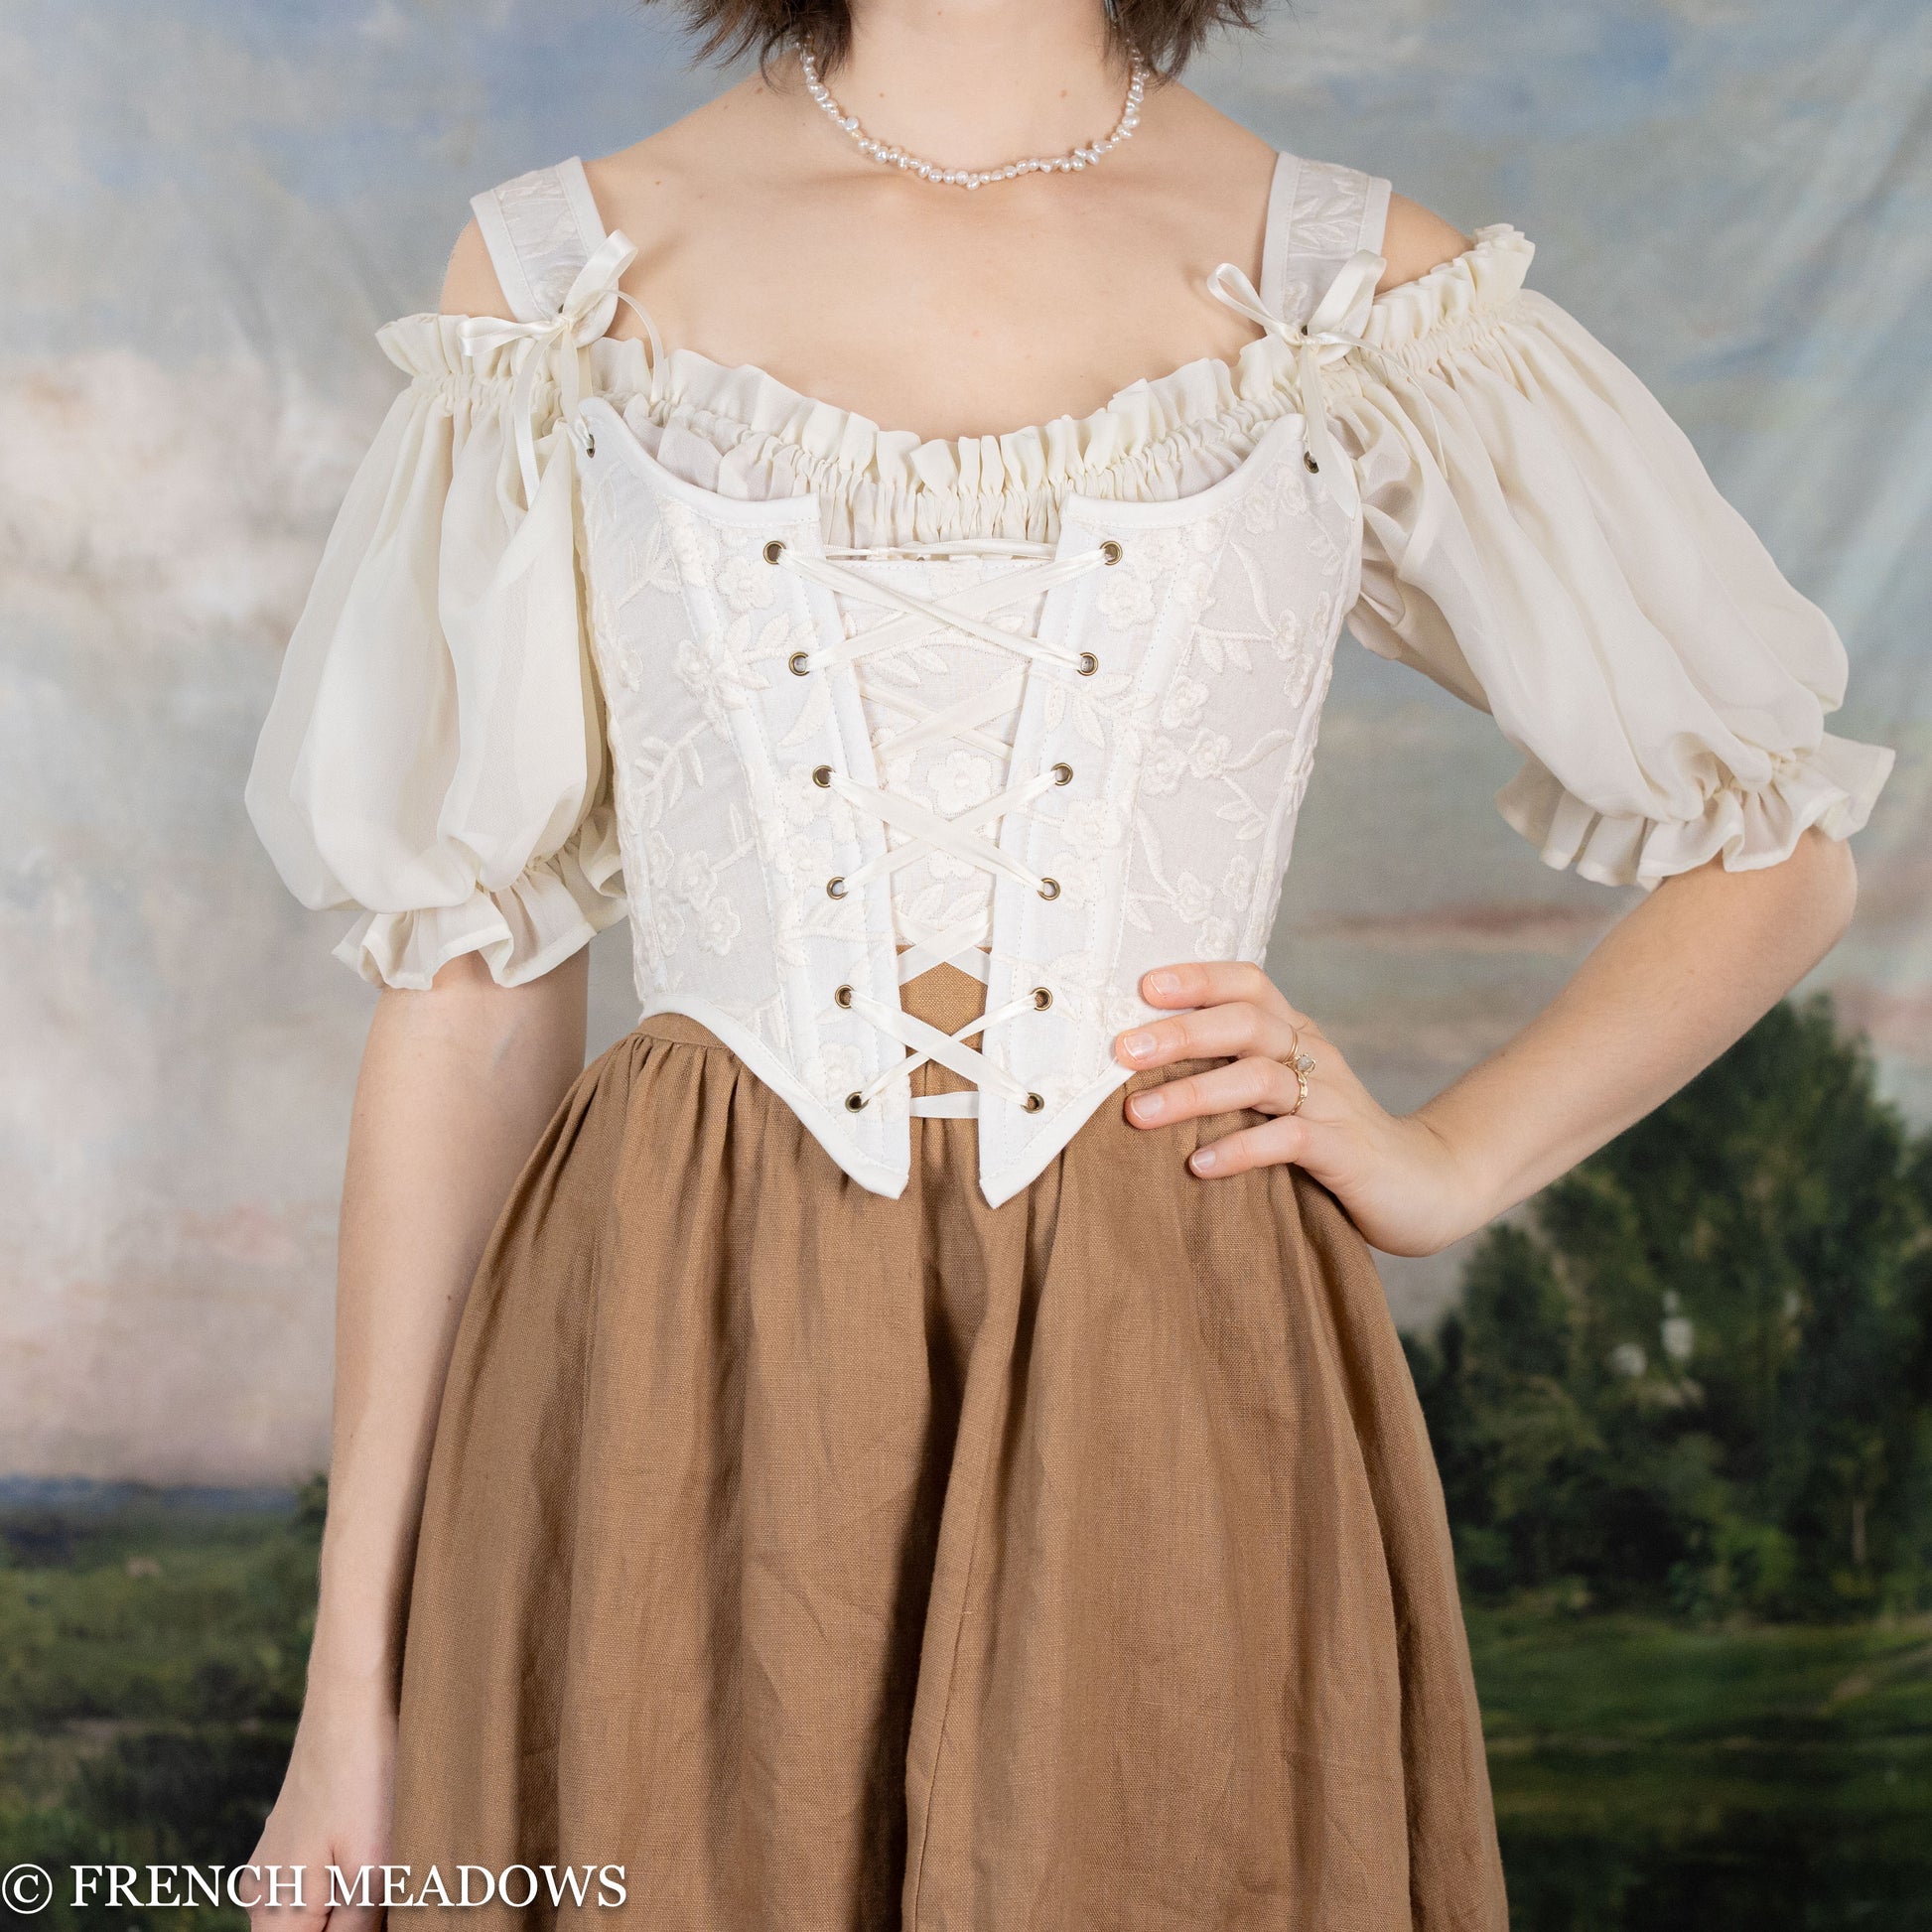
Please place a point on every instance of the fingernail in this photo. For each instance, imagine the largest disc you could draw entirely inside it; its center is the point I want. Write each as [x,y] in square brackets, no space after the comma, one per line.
[1147,1106]
[1136,1046]
[1201,1159]
[1163,982]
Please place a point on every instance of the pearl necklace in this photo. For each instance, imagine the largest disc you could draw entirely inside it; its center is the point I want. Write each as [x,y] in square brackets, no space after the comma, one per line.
[1071,162]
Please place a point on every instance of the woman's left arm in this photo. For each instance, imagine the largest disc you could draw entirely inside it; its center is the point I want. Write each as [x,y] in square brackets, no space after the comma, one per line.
[1683,974]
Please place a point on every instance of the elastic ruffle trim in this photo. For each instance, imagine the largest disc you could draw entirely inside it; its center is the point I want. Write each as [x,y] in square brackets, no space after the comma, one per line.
[1423,316]
[558,904]
[1832,787]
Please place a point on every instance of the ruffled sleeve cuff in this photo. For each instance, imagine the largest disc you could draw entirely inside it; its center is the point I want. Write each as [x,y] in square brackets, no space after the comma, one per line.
[1541,540]
[1832,787]
[554,907]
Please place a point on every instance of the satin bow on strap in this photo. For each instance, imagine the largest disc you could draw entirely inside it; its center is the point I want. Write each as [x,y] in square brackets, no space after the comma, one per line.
[1326,337]
[556,344]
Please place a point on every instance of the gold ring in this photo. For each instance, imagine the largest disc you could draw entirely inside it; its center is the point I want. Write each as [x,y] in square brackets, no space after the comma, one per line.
[1299,1064]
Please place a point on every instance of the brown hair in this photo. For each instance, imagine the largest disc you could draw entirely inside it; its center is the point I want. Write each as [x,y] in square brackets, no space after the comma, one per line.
[1166,32]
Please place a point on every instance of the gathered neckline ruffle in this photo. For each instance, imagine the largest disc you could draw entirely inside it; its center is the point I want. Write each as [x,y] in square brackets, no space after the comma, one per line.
[1206,407]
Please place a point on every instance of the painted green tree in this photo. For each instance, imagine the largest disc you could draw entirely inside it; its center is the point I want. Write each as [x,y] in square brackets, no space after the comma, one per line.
[1697,1374]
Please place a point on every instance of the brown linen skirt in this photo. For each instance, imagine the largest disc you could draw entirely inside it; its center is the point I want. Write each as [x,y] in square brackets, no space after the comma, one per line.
[825,1560]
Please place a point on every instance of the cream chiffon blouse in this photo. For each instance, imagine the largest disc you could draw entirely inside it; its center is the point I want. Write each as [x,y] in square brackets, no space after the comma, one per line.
[1536,533]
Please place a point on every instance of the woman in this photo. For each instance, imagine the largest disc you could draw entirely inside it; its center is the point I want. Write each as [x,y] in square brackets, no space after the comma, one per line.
[837,1457]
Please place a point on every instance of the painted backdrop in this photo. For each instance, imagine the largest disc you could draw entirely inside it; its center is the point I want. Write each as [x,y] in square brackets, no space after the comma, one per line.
[212,206]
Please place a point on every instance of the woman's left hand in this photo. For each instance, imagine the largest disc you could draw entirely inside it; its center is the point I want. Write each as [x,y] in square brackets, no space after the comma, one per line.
[1400,1180]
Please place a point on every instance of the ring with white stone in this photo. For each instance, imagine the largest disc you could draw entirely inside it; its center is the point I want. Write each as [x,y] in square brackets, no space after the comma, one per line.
[1299,1064]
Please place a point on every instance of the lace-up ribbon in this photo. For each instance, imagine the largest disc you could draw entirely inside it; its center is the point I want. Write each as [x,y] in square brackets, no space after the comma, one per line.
[557,343]
[962,836]
[1323,341]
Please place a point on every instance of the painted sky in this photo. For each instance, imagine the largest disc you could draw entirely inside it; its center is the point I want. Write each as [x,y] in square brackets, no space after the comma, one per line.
[216,202]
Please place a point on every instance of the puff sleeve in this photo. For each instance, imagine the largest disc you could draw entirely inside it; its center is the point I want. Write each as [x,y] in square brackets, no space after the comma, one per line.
[1541,540]
[434,753]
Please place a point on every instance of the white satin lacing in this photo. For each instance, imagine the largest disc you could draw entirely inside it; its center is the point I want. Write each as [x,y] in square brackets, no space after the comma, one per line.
[962,836]
[1323,339]
[557,344]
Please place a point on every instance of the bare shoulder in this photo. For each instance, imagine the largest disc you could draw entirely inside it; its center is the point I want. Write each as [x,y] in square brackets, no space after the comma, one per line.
[627,187]
[470,284]
[1416,240]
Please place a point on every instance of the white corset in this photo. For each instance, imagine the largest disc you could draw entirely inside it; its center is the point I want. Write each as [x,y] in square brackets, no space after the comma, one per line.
[1169,682]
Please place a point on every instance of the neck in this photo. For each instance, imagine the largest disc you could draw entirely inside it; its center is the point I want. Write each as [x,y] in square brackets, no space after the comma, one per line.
[979,83]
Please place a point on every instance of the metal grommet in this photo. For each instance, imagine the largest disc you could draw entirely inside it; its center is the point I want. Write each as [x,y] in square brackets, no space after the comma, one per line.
[1088,663]
[800,663]
[1063,773]
[1111,552]
[835,888]
[1043,997]
[1034,1102]
[1050,889]
[774,550]
[1308,463]
[842,997]
[854,1101]
[822,776]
